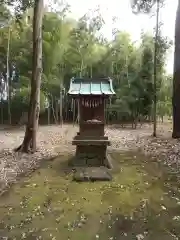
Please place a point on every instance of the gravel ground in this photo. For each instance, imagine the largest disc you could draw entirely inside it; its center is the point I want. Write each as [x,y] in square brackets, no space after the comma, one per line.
[55,139]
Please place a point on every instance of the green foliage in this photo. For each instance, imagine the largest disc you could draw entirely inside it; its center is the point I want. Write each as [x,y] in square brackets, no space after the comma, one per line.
[144,6]
[4,15]
[165,98]
[20,101]
[20,6]
[76,48]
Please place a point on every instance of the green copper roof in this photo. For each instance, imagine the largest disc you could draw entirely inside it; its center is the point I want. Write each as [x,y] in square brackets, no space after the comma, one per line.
[99,86]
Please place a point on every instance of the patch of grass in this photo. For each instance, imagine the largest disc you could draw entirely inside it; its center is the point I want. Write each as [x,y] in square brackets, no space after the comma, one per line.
[142,200]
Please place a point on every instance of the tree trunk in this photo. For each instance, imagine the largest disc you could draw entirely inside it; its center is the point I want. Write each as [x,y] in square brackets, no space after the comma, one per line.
[49,116]
[29,142]
[56,110]
[2,102]
[176,78]
[74,111]
[2,117]
[8,78]
[53,110]
[155,72]
[61,103]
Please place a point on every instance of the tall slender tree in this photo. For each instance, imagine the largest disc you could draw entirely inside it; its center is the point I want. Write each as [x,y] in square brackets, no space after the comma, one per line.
[176,78]
[155,71]
[145,6]
[29,142]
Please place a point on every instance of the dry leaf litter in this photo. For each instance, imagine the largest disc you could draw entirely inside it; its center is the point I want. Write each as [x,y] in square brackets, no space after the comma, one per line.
[53,140]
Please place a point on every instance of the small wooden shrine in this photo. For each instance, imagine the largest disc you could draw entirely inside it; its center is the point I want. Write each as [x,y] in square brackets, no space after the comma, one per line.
[91,142]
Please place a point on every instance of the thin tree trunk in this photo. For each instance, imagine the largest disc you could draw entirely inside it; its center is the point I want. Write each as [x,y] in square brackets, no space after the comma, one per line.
[162,119]
[53,111]
[2,117]
[155,72]
[66,105]
[81,74]
[176,78]
[8,77]
[57,109]
[91,73]
[61,104]
[74,111]
[2,102]
[29,142]
[48,112]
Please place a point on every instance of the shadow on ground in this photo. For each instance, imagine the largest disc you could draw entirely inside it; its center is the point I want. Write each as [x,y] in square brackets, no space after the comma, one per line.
[142,202]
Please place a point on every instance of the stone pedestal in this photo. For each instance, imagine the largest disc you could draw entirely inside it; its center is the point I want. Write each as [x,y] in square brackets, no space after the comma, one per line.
[91,151]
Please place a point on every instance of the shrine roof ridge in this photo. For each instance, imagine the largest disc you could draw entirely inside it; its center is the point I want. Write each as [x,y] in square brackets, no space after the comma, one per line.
[91,86]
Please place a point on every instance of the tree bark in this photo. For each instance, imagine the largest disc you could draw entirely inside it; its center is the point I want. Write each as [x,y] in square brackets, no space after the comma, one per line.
[8,77]
[176,78]
[29,142]
[155,72]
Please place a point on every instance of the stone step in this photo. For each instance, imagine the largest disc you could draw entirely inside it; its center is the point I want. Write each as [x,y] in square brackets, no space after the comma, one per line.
[92,174]
[83,137]
[91,142]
